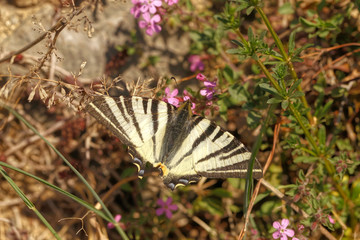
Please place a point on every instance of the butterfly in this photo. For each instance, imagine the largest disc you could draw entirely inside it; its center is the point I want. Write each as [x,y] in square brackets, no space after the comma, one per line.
[184,147]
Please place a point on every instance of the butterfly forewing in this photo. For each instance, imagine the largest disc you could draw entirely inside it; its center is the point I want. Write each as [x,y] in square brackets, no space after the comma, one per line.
[133,120]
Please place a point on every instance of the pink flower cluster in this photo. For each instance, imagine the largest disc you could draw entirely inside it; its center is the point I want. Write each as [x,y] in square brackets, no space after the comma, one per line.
[209,91]
[148,10]
[170,97]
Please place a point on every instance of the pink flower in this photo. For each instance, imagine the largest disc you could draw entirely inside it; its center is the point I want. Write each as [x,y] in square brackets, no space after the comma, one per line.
[331,220]
[135,10]
[166,207]
[187,97]
[171,97]
[301,227]
[209,84]
[171,2]
[117,219]
[209,91]
[150,23]
[201,77]
[150,5]
[282,232]
[195,63]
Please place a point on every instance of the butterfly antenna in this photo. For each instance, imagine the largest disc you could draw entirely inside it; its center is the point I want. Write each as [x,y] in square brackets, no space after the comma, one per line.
[173,78]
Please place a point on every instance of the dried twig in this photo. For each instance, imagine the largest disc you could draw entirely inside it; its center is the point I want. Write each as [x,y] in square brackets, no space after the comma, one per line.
[57,28]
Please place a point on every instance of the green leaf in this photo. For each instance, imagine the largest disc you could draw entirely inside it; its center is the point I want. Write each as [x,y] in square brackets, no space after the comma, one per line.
[299,50]
[297,94]
[228,74]
[344,144]
[294,86]
[292,42]
[286,8]
[234,41]
[250,35]
[233,51]
[301,175]
[324,33]
[324,110]
[306,159]
[249,10]
[235,209]
[261,196]
[266,87]
[307,23]
[267,208]
[211,205]
[238,94]
[338,92]
[274,101]
[253,119]
[221,192]
[322,135]
[284,104]
[355,191]
[189,5]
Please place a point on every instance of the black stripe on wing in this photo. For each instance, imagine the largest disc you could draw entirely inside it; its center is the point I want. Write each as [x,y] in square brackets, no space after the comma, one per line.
[130,110]
[101,111]
[154,117]
[121,108]
[228,148]
[208,131]
[236,170]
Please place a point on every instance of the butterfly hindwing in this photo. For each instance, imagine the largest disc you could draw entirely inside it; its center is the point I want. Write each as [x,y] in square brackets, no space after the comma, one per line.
[225,156]
[211,152]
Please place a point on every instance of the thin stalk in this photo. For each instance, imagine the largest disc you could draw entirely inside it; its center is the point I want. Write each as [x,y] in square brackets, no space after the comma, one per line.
[108,213]
[75,198]
[285,58]
[254,151]
[27,202]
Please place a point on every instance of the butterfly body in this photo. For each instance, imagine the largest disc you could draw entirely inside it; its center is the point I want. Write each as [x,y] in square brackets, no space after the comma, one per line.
[182,145]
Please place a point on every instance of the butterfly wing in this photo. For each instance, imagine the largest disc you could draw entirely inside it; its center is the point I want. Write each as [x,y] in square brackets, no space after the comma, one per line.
[183,147]
[211,152]
[138,122]
[226,157]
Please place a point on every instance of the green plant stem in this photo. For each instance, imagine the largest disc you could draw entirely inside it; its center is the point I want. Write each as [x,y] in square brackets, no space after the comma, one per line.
[285,58]
[261,65]
[75,198]
[308,136]
[107,212]
[27,202]
[254,151]
[295,113]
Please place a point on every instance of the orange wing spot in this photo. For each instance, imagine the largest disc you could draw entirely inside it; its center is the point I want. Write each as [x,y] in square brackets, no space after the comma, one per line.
[163,168]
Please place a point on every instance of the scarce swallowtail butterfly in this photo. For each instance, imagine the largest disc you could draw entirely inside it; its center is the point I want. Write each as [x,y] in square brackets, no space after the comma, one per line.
[181,145]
